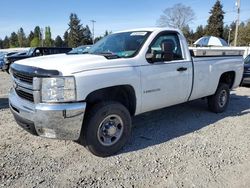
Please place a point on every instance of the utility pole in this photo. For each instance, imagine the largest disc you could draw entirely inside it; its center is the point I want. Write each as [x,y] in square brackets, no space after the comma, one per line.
[229,37]
[93,30]
[237,22]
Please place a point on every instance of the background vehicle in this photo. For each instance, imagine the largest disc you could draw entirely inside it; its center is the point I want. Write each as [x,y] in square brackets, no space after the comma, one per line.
[80,50]
[246,75]
[4,55]
[91,97]
[1,60]
[33,52]
[1,63]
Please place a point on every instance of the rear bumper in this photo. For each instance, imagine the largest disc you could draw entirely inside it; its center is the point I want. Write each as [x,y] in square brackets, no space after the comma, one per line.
[59,121]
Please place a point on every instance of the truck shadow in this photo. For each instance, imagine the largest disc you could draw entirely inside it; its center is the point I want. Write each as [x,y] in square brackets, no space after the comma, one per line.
[160,126]
[4,103]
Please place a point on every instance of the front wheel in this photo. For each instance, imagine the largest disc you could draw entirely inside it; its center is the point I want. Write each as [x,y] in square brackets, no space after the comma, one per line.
[106,129]
[219,101]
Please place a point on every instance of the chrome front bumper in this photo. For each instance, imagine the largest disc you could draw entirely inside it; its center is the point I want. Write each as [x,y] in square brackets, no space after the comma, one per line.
[59,121]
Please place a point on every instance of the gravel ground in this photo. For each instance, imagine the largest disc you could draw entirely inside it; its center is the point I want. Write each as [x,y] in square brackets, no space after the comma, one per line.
[180,146]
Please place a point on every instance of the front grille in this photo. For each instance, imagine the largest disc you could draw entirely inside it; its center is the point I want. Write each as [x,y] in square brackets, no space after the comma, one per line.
[23,85]
[25,95]
[23,77]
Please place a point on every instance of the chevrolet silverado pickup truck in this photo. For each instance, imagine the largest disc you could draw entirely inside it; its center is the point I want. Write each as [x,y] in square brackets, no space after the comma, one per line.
[91,97]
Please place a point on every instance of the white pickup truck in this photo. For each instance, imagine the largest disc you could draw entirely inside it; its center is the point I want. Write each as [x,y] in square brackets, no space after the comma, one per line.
[91,97]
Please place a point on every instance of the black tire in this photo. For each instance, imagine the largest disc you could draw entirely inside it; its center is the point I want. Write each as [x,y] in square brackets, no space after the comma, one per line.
[94,134]
[219,101]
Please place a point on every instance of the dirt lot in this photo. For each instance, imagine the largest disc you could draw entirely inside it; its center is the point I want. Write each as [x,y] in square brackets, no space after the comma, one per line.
[181,146]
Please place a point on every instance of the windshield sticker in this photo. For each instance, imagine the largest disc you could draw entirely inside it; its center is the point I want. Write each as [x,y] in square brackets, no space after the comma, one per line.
[138,34]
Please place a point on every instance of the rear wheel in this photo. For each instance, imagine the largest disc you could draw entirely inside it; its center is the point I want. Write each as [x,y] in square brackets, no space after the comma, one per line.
[219,101]
[106,129]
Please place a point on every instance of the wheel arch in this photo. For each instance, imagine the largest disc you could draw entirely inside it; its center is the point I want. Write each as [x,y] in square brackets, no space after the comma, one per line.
[228,78]
[125,94]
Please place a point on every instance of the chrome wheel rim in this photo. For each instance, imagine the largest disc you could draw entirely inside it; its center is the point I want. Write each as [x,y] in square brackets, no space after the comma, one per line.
[223,98]
[110,130]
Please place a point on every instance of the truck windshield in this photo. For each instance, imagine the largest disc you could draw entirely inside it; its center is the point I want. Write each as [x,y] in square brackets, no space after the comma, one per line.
[123,45]
[30,52]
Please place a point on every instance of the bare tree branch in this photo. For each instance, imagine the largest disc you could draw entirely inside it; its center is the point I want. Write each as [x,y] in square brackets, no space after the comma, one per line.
[178,16]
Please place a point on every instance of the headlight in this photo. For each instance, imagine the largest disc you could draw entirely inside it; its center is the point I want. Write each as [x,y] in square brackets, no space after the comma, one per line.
[5,60]
[61,89]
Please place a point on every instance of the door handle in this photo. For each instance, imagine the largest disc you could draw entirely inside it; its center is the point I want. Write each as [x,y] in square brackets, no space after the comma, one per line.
[181,69]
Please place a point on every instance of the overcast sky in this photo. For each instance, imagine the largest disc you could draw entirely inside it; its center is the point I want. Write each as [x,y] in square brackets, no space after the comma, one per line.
[110,15]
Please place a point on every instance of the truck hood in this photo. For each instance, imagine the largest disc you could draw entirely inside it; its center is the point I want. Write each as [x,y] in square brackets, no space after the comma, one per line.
[69,64]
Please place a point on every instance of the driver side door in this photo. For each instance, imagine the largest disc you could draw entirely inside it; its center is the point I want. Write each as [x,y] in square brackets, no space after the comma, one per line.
[166,83]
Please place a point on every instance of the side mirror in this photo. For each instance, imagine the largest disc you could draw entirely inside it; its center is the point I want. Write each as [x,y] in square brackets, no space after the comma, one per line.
[151,57]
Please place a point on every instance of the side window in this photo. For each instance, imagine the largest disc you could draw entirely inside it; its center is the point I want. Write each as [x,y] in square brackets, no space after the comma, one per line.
[55,51]
[45,52]
[171,42]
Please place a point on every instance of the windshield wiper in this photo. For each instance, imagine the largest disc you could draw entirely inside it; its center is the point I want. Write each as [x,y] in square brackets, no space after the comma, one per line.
[109,55]
[75,53]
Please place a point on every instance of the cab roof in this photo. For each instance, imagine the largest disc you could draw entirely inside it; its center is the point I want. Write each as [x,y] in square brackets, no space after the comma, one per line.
[150,29]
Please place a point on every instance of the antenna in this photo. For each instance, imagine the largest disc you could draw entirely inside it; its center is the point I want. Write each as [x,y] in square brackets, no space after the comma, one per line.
[93,30]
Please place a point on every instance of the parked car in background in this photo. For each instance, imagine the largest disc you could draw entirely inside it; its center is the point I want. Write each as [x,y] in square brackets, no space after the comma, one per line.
[1,60]
[4,55]
[33,52]
[246,74]
[80,50]
[1,63]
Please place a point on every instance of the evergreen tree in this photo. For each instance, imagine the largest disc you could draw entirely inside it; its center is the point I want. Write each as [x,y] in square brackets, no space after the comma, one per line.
[106,33]
[215,21]
[37,37]
[30,38]
[6,42]
[87,36]
[98,38]
[13,40]
[37,32]
[189,34]
[66,39]
[21,37]
[76,31]
[59,42]
[1,43]
[244,34]
[226,31]
[48,40]
[35,42]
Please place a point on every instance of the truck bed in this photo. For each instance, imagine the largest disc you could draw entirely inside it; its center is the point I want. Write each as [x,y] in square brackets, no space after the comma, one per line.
[207,71]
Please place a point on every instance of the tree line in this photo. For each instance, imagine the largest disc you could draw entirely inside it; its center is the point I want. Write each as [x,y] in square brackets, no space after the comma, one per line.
[74,36]
[179,16]
[215,24]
